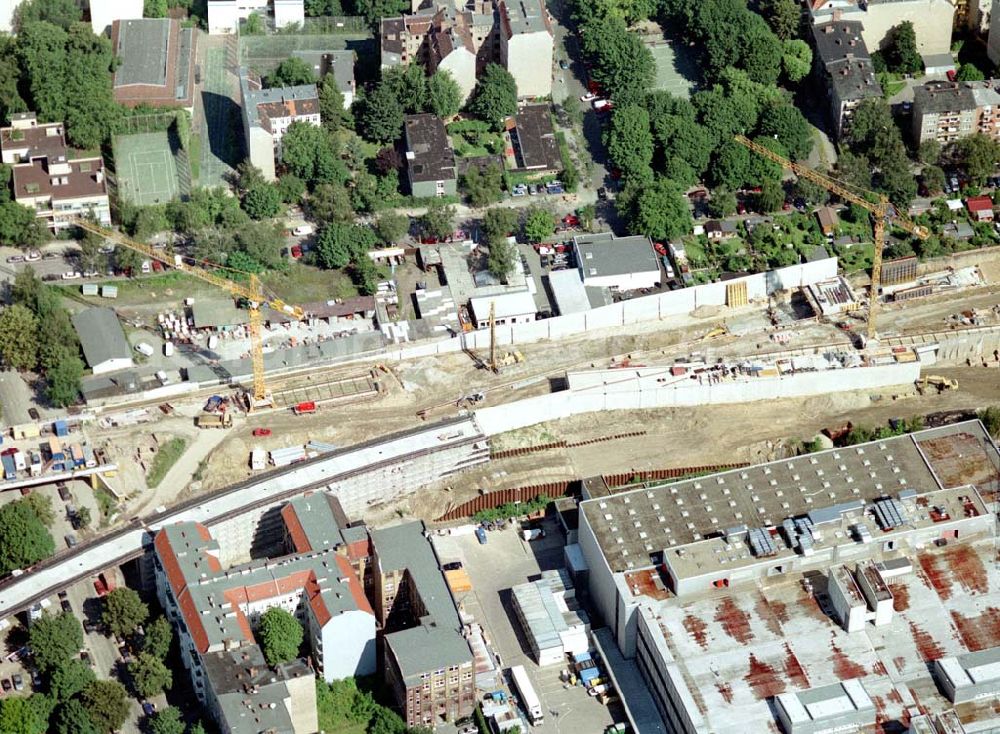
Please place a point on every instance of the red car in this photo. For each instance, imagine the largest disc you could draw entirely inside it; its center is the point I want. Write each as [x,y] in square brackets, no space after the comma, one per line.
[571,220]
[296,251]
[157,266]
[262,432]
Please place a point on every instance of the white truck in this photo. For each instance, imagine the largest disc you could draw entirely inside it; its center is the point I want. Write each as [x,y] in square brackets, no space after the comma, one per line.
[526,693]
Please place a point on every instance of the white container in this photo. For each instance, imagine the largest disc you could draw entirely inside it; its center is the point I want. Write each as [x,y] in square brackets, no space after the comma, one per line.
[213,341]
[258,460]
[144,348]
[168,349]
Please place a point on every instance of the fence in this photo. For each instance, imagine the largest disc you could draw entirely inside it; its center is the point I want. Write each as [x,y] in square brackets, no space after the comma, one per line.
[337,25]
[151,123]
[553,490]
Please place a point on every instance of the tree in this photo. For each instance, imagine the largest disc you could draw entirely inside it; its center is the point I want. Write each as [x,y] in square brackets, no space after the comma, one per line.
[331,104]
[24,540]
[365,276]
[253,25]
[438,221]
[19,716]
[83,516]
[622,64]
[157,637]
[18,226]
[991,420]
[18,338]
[443,94]
[483,186]
[771,196]
[375,10]
[154,9]
[722,203]
[72,718]
[784,17]
[933,179]
[339,243]
[62,13]
[307,152]
[498,224]
[263,201]
[538,224]
[408,85]
[41,505]
[197,728]
[379,115]
[150,676]
[629,140]
[280,636]
[785,123]
[386,721]
[54,639]
[501,259]
[659,211]
[127,260]
[495,96]
[391,227]
[732,166]
[106,701]
[979,154]
[69,678]
[796,59]
[929,152]
[901,52]
[124,611]
[291,72]
[969,73]
[167,721]
[63,380]
[331,203]
[291,188]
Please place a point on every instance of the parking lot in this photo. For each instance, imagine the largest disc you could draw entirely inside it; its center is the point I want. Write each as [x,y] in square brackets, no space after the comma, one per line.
[504,561]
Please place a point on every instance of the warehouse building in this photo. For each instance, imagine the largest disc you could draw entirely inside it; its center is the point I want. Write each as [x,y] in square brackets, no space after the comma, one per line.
[618,263]
[553,624]
[782,596]
[103,340]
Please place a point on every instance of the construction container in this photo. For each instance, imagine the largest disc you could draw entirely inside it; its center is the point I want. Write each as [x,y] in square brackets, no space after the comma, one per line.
[458,581]
[89,289]
[284,457]
[89,460]
[61,428]
[258,459]
[35,467]
[9,471]
[56,449]
[168,349]
[214,420]
[20,460]
[76,452]
[304,408]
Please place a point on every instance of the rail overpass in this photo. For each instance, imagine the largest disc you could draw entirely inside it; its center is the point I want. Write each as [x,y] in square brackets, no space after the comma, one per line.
[361,475]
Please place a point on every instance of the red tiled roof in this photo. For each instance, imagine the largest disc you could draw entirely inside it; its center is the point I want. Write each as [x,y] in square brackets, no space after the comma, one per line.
[979,203]
[295,531]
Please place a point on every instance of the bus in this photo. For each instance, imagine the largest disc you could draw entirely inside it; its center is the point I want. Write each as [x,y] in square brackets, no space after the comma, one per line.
[526,692]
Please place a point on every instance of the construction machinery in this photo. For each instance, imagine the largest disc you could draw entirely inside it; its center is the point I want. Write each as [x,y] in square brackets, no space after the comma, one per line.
[883,213]
[941,384]
[253,292]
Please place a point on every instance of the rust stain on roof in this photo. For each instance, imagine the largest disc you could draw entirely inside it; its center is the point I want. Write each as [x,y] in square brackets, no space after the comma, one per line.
[980,632]
[794,670]
[696,628]
[726,691]
[773,614]
[879,668]
[844,667]
[926,645]
[735,622]
[967,567]
[937,578]
[763,679]
[900,597]
[900,663]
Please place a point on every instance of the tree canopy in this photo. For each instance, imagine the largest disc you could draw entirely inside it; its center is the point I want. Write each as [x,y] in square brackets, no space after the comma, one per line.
[443,94]
[495,96]
[157,638]
[379,115]
[538,224]
[106,702]
[124,611]
[167,721]
[54,639]
[280,636]
[24,539]
[659,211]
[623,66]
[69,678]
[629,140]
[438,221]
[150,676]
[308,152]
[291,72]
[18,337]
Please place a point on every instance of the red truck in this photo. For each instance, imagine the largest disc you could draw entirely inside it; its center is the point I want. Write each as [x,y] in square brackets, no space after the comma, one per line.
[103,585]
[304,408]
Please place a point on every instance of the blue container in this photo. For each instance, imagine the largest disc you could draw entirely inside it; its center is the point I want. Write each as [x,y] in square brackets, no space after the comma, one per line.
[61,428]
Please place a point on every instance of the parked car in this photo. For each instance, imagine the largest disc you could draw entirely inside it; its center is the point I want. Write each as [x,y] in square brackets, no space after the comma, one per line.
[6,685]
[66,607]
[588,97]
[33,256]
[85,657]
[70,539]
[51,256]
[303,230]
[296,252]
[18,682]
[33,413]
[64,493]
[563,64]
[15,259]
[71,275]
[602,193]
[261,432]
[148,708]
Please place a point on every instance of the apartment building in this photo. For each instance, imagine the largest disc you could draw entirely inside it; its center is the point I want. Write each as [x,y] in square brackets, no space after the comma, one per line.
[46,178]
[843,65]
[428,661]
[948,111]
[430,159]
[267,115]
[216,610]
[464,39]
[932,20]
[224,16]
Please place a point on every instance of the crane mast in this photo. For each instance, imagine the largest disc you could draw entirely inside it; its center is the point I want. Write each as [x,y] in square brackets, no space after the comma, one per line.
[253,292]
[882,211]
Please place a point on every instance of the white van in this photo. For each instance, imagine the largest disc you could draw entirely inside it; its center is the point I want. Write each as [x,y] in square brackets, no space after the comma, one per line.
[144,348]
[302,230]
[147,266]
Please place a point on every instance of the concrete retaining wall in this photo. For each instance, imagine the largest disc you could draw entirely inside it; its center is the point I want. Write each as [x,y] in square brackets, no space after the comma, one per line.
[639,395]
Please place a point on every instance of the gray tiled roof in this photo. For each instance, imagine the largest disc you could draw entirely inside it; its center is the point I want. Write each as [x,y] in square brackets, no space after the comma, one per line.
[839,39]
[143,50]
[526,16]
[936,97]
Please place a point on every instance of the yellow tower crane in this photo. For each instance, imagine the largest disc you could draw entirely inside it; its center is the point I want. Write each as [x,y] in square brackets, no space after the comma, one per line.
[882,211]
[254,293]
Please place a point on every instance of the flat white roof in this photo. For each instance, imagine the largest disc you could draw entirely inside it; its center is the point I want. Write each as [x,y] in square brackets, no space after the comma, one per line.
[568,291]
[508,305]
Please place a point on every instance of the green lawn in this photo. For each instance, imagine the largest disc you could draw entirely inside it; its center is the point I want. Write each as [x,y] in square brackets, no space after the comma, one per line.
[106,502]
[302,283]
[165,458]
[194,156]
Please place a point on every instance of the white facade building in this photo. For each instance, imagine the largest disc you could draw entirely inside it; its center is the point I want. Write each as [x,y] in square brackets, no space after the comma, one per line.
[526,46]
[224,16]
[618,263]
[267,115]
[105,12]
[509,308]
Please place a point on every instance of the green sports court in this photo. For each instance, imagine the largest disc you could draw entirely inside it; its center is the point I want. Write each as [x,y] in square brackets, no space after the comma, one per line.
[146,168]
[674,67]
